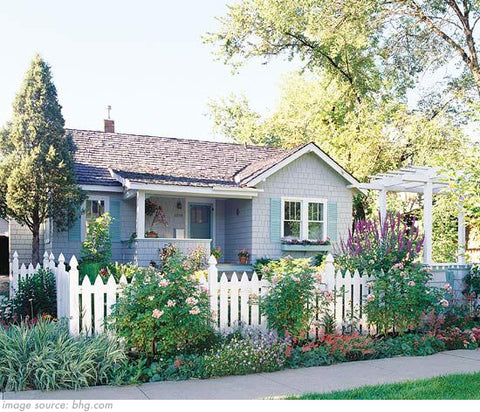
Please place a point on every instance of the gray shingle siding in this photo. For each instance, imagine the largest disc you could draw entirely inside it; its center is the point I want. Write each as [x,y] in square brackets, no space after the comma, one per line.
[238,228]
[21,242]
[307,177]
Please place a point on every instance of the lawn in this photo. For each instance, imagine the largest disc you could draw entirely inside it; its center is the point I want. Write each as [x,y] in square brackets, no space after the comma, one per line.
[444,387]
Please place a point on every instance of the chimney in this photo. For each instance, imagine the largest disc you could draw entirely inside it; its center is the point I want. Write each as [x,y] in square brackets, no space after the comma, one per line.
[109,124]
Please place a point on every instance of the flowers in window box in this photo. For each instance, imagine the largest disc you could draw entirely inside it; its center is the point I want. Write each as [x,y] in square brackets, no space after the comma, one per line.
[305,242]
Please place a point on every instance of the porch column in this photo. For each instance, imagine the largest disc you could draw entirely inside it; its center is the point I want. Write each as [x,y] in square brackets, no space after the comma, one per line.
[461,236]
[140,215]
[382,204]
[427,222]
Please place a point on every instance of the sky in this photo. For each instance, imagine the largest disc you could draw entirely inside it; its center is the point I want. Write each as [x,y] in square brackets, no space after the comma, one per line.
[144,58]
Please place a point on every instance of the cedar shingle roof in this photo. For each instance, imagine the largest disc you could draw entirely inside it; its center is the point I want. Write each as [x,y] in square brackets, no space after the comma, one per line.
[152,159]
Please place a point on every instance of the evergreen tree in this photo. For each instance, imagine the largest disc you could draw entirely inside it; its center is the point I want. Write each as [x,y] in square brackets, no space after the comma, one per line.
[37,180]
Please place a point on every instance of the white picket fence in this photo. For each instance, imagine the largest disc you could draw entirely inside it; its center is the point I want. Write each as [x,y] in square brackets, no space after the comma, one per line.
[234,298]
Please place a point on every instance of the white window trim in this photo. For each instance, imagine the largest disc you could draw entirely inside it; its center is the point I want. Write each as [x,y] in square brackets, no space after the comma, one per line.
[304,215]
[106,199]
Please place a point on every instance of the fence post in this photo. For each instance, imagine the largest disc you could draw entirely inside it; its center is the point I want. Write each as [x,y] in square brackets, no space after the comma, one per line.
[213,284]
[14,272]
[61,277]
[45,260]
[73,309]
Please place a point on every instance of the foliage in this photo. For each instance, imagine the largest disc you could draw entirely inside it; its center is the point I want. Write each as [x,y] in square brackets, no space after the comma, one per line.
[456,338]
[244,253]
[399,297]
[117,270]
[260,263]
[45,356]
[175,369]
[377,246]
[286,304]
[197,259]
[37,180]
[253,352]
[472,281]
[167,251]
[97,246]
[36,295]
[408,345]
[164,313]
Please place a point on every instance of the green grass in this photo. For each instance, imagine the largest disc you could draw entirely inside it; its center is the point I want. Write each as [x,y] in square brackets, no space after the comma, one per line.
[444,387]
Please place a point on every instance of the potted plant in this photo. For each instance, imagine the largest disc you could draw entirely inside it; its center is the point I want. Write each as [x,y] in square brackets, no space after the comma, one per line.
[151,234]
[217,252]
[243,256]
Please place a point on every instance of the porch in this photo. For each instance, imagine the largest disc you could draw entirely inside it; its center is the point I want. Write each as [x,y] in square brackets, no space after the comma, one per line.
[190,222]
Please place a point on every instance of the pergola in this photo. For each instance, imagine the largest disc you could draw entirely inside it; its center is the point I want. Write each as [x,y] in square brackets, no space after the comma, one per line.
[417,179]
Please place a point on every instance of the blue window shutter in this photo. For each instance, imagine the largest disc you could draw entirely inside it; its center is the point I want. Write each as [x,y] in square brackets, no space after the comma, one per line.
[332,219]
[115,227]
[74,232]
[275,219]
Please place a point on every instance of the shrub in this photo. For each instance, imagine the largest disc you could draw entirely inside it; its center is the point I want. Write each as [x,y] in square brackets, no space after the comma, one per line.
[376,247]
[175,369]
[45,356]
[472,281]
[409,345]
[456,338]
[117,270]
[164,313]
[399,297]
[287,303]
[97,246]
[35,295]
[252,352]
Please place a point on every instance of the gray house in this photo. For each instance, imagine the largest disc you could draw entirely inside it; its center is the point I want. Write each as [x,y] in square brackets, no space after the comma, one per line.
[202,194]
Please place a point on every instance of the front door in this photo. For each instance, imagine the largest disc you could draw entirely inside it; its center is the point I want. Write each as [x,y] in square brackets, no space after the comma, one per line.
[200,221]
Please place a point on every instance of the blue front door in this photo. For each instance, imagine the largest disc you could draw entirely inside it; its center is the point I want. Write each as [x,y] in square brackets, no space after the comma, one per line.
[200,221]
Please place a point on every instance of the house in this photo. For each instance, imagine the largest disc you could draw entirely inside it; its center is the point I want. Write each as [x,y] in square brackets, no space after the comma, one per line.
[201,194]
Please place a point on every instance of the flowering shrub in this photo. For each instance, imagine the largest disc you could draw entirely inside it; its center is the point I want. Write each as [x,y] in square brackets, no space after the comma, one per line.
[252,352]
[35,295]
[164,312]
[472,281]
[177,368]
[456,338]
[286,304]
[375,247]
[97,246]
[399,297]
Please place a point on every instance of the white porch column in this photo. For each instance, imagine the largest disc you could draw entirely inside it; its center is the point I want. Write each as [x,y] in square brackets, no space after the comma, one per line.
[140,215]
[461,236]
[427,222]
[382,204]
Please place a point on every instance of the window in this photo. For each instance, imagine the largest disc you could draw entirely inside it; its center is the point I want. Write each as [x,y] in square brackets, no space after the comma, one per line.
[315,221]
[304,219]
[95,206]
[292,212]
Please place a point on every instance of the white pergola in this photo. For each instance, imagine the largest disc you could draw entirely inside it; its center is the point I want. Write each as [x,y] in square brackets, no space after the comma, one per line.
[417,179]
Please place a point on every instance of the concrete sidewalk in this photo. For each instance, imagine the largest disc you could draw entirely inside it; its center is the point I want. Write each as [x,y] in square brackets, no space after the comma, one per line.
[292,381]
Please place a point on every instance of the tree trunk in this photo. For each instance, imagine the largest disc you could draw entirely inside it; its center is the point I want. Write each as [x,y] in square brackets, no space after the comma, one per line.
[35,243]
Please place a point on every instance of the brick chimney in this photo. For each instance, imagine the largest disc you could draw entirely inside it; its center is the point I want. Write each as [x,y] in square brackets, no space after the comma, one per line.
[109,125]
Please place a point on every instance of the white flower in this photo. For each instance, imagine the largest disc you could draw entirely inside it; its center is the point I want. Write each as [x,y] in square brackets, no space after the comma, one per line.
[151,297]
[194,311]
[370,298]
[157,313]
[171,303]
[295,279]
[191,301]
[444,303]
[163,283]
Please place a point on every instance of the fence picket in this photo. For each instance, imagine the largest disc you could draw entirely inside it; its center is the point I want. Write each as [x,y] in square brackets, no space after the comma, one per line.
[223,301]
[98,304]
[254,294]
[86,308]
[244,299]
[234,285]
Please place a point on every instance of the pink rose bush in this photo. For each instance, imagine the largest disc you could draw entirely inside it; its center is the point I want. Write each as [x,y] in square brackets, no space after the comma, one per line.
[164,312]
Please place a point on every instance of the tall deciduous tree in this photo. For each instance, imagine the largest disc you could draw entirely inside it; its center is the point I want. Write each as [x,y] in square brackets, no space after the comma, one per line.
[37,180]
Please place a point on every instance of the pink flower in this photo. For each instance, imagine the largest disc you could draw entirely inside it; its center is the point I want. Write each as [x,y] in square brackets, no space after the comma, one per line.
[444,303]
[328,296]
[318,277]
[447,287]
[191,301]
[411,283]
[370,298]
[295,279]
[171,303]
[157,313]
[164,283]
[402,273]
[194,311]
[214,314]
[370,284]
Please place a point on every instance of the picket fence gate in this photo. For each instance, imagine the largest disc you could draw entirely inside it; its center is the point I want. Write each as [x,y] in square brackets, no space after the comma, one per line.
[234,298]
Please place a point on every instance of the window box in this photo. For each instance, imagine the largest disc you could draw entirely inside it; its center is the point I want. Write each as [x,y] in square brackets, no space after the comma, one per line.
[305,248]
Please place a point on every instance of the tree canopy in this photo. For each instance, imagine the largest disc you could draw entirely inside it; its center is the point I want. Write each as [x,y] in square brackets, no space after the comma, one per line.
[37,180]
